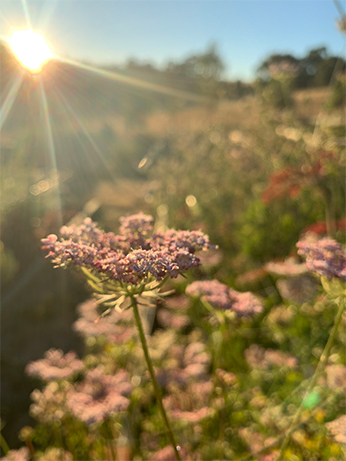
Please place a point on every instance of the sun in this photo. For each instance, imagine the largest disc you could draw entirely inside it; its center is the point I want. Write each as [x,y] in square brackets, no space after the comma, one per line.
[31,49]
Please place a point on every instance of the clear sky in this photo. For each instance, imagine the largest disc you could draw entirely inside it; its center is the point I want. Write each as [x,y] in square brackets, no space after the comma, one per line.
[111,31]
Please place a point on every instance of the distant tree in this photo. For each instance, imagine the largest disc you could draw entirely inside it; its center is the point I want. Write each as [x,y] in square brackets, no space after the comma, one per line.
[278,64]
[314,69]
[207,65]
[326,69]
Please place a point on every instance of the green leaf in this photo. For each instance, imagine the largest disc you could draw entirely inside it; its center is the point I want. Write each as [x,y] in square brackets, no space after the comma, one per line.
[95,287]
[89,275]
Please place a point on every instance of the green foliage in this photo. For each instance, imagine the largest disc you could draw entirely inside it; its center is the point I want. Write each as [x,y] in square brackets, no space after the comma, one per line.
[315,69]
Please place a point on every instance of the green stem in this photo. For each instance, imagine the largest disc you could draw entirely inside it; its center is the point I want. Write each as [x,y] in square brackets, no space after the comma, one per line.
[323,361]
[4,445]
[152,374]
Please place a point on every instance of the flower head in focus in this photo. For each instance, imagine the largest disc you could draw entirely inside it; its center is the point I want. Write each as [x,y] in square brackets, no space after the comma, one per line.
[129,264]
[128,257]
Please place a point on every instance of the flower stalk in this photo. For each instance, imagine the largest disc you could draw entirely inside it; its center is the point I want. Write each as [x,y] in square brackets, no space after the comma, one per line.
[153,378]
[322,363]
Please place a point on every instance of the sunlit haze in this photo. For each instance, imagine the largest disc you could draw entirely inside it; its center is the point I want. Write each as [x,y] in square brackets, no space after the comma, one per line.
[30,49]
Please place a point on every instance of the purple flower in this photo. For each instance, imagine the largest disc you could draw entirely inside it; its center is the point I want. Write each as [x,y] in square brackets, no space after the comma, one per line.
[221,296]
[215,292]
[55,366]
[129,257]
[99,396]
[325,257]
[245,304]
[138,224]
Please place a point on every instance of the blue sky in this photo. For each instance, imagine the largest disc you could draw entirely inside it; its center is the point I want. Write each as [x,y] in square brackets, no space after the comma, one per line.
[246,31]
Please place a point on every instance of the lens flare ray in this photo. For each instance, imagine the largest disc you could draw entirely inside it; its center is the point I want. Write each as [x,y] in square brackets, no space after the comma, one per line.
[112,75]
[72,112]
[48,9]
[51,146]
[26,14]
[10,99]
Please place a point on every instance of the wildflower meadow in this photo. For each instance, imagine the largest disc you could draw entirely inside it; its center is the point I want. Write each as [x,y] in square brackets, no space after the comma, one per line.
[173,369]
[173,260]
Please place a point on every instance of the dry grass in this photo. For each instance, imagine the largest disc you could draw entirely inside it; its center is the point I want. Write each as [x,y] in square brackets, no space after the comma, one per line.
[238,114]
[242,114]
[310,102]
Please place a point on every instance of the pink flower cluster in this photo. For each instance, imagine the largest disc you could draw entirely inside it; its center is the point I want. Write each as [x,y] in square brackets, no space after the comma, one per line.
[182,364]
[338,429]
[256,356]
[167,454]
[326,257]
[186,379]
[221,296]
[130,256]
[55,366]
[99,396]
[170,315]
[17,455]
[256,442]
[190,404]
[50,403]
[288,268]
[117,327]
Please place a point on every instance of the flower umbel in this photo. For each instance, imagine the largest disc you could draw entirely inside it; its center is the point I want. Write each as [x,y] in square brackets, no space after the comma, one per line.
[326,257]
[99,396]
[55,366]
[130,267]
[129,257]
[222,297]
